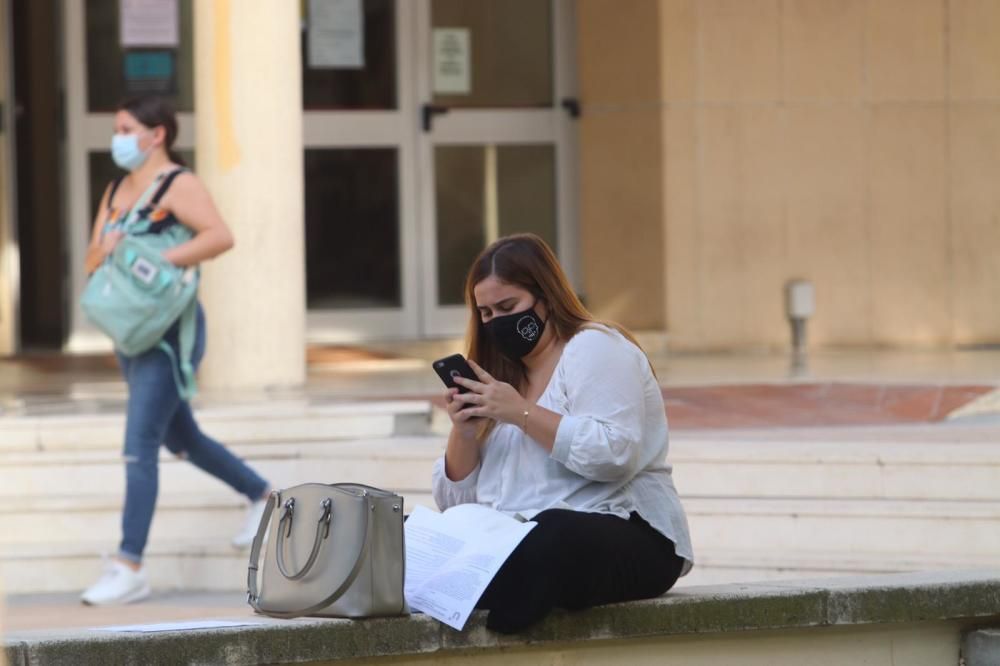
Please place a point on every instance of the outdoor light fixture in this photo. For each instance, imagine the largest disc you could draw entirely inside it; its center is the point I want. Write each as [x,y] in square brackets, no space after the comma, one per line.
[800,304]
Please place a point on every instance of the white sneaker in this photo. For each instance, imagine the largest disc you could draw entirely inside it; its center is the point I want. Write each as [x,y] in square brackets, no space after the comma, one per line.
[118,585]
[251,522]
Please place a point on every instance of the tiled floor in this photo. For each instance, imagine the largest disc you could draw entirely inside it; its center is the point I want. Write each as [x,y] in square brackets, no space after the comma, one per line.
[826,404]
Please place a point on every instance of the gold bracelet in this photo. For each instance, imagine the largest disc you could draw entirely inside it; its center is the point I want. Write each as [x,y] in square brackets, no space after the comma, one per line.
[524,423]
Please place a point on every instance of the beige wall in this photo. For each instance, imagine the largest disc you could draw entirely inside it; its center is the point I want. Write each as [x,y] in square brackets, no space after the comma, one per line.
[855,143]
[621,161]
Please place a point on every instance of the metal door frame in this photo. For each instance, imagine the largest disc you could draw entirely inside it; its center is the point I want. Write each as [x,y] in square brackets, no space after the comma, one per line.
[500,126]
[10,256]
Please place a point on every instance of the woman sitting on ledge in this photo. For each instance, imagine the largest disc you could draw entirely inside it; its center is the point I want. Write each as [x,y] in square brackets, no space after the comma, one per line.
[566,427]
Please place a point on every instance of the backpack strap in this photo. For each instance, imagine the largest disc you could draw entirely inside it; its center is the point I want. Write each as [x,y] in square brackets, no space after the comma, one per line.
[114,188]
[183,367]
[138,221]
[164,186]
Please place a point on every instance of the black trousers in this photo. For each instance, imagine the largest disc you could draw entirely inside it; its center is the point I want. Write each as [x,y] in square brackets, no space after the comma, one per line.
[575,560]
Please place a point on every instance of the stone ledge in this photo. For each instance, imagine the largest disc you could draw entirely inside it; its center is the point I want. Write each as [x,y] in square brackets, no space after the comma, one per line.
[784,605]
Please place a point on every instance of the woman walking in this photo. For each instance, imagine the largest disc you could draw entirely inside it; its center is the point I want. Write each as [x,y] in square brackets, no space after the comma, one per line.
[144,132]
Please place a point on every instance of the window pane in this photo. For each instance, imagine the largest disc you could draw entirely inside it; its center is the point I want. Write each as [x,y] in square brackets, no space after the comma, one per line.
[352,228]
[371,86]
[484,192]
[510,45]
[106,61]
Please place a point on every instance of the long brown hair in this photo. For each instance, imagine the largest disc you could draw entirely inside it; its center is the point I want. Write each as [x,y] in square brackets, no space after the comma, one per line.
[526,261]
[153,111]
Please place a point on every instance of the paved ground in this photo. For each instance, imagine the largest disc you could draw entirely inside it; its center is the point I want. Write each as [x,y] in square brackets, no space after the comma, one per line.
[701,391]
[46,612]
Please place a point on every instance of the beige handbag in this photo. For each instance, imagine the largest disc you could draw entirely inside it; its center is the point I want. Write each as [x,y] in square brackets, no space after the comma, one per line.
[334,550]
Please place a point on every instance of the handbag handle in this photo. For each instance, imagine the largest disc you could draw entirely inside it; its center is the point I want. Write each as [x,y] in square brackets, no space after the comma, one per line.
[252,592]
[322,532]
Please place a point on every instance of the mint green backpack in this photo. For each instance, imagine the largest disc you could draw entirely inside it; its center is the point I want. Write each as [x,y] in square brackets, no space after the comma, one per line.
[136,295]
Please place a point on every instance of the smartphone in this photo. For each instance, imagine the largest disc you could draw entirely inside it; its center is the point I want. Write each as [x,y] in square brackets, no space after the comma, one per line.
[449,367]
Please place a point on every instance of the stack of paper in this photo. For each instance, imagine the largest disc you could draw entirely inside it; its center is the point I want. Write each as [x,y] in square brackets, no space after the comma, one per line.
[451,557]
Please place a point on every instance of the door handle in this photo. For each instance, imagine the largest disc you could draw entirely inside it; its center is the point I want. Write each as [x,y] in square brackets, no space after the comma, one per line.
[427,113]
[572,106]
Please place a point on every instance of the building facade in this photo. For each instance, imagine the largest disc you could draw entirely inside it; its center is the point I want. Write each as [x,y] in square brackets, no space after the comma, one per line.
[686,158]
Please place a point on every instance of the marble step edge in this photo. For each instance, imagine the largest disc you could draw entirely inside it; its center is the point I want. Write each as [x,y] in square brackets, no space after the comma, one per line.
[845,452]
[683,452]
[821,507]
[258,411]
[399,448]
[762,558]
[105,431]
[854,560]
[165,504]
[800,507]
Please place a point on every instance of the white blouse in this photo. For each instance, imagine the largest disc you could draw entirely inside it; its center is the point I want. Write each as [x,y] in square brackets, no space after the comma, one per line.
[610,449]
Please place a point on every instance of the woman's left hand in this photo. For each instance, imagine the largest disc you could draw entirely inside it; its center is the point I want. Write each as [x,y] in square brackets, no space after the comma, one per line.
[491,398]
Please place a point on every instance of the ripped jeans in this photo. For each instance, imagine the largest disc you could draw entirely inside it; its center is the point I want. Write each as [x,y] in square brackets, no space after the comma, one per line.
[157,415]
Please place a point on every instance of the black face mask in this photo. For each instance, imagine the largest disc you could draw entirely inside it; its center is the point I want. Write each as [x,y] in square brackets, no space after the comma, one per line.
[516,334]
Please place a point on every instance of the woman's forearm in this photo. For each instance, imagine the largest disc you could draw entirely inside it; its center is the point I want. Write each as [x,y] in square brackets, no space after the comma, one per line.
[461,457]
[541,425]
[207,244]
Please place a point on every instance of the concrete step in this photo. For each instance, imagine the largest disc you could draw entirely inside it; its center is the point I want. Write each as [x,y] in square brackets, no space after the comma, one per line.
[197,560]
[703,467]
[760,505]
[299,420]
[398,461]
[720,566]
[933,528]
[943,465]
[75,519]
[202,559]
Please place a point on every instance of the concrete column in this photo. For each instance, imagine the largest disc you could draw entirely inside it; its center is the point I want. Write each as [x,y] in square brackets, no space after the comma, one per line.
[248,98]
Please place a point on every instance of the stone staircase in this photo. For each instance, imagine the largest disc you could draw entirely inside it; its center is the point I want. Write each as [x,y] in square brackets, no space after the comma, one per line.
[817,502]
[62,479]
[762,504]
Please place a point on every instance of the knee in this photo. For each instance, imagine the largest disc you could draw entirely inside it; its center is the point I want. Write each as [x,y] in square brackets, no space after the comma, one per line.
[140,467]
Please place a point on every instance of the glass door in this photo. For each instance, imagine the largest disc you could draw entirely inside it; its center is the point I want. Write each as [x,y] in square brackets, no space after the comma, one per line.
[8,237]
[360,187]
[497,138]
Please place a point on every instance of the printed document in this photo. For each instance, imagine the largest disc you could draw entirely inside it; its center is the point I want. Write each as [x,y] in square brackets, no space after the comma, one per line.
[451,557]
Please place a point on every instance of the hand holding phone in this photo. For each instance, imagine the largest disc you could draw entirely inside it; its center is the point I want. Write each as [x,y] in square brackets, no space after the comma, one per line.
[449,367]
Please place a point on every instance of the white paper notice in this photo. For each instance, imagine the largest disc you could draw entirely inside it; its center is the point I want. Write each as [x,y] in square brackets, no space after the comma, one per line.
[451,557]
[175,626]
[452,62]
[149,23]
[336,36]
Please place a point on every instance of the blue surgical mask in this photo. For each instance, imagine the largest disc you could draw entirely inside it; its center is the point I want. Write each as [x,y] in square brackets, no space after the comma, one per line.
[126,153]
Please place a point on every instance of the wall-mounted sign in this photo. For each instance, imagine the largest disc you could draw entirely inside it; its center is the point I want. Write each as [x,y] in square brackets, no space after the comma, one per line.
[150,72]
[148,23]
[336,34]
[452,61]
